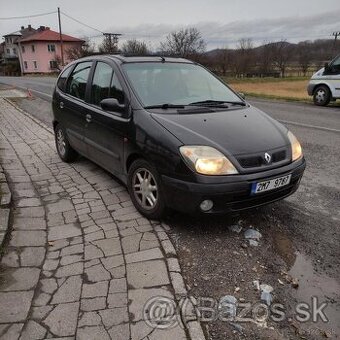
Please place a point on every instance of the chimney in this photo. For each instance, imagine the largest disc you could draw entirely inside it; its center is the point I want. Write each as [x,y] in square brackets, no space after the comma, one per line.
[22,27]
[29,27]
[47,28]
[42,28]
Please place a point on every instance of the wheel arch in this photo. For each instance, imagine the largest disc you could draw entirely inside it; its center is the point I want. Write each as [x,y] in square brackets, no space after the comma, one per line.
[322,84]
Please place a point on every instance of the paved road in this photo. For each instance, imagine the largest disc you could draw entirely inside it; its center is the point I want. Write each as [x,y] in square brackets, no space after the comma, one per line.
[81,262]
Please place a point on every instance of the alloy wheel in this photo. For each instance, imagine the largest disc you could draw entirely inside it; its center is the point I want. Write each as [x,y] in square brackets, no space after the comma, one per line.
[145,188]
[61,144]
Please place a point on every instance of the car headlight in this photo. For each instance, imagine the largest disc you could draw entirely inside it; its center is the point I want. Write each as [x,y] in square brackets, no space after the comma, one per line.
[207,160]
[296,147]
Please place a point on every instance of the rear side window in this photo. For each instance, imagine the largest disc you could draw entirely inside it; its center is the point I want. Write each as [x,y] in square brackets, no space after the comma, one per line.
[63,77]
[76,84]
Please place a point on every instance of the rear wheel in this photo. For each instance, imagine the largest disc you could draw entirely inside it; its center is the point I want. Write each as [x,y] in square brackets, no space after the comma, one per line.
[322,96]
[64,149]
[145,189]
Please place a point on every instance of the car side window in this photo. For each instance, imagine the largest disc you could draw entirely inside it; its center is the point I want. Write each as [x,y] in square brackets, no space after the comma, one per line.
[100,87]
[63,77]
[76,84]
[336,65]
[116,90]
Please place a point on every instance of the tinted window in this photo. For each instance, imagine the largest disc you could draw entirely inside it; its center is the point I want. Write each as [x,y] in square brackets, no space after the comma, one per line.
[100,88]
[76,84]
[63,77]
[116,90]
[105,84]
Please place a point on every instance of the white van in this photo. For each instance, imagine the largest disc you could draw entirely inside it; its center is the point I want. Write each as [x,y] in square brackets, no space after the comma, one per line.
[324,85]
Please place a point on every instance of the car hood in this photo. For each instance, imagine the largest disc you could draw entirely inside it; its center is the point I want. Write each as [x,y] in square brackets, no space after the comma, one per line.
[236,132]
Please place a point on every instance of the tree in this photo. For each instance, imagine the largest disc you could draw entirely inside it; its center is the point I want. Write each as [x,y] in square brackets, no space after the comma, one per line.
[109,44]
[265,58]
[186,43]
[282,54]
[243,57]
[85,50]
[135,47]
[304,57]
[223,60]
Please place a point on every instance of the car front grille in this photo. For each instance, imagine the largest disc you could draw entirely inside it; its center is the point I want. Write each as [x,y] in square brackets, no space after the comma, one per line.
[258,160]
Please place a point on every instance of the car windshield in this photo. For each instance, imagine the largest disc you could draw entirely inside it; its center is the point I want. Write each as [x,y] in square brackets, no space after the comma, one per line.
[172,84]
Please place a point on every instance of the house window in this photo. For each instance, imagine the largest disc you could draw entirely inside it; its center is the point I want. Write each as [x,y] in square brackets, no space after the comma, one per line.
[8,51]
[6,40]
[53,65]
[51,48]
[23,49]
[25,64]
[35,65]
[14,50]
[33,48]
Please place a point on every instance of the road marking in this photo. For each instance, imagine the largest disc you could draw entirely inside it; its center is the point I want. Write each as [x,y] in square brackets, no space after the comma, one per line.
[309,125]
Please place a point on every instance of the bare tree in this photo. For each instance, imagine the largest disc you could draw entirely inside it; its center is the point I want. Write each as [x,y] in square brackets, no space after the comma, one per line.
[85,50]
[282,55]
[135,47]
[243,57]
[223,60]
[304,57]
[265,58]
[185,43]
[109,45]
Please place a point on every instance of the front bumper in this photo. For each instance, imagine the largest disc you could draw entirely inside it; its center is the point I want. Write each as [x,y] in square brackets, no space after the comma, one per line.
[230,195]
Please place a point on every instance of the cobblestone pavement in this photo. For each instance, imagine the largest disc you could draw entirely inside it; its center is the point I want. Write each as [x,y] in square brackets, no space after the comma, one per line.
[81,262]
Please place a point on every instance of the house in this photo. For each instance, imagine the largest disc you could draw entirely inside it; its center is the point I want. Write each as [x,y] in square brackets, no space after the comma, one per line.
[41,52]
[9,49]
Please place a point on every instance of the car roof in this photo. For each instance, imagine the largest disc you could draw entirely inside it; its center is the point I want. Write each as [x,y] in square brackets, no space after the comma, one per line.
[122,59]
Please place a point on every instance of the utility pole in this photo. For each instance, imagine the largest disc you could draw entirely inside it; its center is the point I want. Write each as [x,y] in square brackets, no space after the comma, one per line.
[335,34]
[112,40]
[61,39]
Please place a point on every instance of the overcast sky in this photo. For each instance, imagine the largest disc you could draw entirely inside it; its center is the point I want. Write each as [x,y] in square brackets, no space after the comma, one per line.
[222,22]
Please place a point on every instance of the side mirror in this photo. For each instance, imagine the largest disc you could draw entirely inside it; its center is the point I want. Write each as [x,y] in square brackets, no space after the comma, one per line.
[242,95]
[112,104]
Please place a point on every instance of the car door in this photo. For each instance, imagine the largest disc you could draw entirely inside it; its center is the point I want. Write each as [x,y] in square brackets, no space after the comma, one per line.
[105,131]
[72,106]
[331,76]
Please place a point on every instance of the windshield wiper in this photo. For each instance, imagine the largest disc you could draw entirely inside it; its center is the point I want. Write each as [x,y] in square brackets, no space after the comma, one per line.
[211,102]
[165,106]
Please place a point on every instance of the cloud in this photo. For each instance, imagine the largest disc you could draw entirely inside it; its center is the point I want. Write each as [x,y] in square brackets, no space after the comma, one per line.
[216,34]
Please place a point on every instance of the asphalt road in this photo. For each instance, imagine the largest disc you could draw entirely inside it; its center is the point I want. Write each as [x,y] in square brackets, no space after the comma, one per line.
[301,234]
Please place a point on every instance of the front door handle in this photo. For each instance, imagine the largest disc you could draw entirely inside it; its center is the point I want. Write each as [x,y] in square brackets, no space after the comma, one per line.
[88,118]
[61,105]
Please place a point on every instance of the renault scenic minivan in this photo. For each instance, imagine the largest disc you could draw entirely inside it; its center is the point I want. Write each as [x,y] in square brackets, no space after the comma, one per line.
[174,134]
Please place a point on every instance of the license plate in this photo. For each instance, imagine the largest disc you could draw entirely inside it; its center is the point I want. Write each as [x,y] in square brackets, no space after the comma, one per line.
[271,184]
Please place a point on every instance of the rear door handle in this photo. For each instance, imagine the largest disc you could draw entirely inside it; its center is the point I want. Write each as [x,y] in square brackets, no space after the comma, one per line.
[88,118]
[61,105]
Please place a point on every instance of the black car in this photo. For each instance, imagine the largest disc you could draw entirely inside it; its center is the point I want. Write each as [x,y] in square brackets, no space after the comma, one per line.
[174,133]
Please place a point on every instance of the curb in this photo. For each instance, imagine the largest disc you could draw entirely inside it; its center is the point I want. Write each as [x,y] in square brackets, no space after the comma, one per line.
[186,307]
[5,200]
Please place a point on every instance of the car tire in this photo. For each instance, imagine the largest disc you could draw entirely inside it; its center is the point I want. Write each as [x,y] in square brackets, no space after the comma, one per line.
[145,189]
[64,149]
[322,96]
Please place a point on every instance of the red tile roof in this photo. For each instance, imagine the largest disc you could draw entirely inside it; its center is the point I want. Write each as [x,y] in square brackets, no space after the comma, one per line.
[49,35]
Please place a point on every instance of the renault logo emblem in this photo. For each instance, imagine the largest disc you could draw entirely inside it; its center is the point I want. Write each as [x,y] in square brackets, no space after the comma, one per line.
[267,157]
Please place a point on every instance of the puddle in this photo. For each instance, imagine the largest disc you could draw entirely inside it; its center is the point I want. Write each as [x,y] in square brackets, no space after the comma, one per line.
[311,284]
[326,289]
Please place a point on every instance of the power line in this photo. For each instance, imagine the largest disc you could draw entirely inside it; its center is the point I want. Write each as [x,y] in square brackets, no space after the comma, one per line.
[29,16]
[82,23]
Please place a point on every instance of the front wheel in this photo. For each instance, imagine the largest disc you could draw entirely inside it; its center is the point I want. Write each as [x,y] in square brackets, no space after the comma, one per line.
[322,96]
[64,149]
[144,186]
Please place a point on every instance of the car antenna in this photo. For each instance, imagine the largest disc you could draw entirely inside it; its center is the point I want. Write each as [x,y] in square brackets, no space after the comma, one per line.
[163,59]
